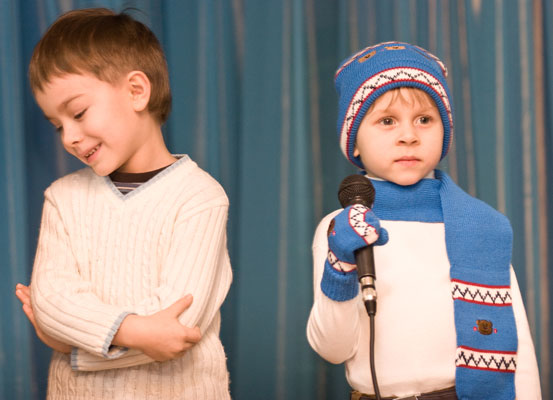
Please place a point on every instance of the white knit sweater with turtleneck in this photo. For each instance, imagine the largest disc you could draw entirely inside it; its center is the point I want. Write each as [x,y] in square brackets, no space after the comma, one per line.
[102,256]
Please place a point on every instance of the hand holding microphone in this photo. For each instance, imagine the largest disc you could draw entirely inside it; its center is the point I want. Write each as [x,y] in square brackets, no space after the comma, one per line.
[352,234]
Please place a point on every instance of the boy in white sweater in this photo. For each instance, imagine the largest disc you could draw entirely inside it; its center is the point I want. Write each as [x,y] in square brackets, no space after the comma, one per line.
[131,265]
[450,321]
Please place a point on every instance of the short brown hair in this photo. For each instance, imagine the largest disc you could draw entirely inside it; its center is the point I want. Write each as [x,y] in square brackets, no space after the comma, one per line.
[107,45]
[407,94]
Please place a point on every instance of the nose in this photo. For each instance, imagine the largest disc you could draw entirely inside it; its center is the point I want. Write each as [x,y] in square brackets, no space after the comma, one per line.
[71,135]
[408,136]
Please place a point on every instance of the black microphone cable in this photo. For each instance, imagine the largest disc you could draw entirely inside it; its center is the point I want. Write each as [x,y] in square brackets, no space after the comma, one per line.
[357,189]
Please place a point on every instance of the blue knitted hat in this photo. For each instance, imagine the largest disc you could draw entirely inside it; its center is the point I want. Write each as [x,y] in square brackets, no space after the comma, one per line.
[371,72]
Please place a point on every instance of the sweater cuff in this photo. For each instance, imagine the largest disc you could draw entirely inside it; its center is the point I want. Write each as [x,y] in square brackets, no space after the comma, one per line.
[109,351]
[337,285]
[84,361]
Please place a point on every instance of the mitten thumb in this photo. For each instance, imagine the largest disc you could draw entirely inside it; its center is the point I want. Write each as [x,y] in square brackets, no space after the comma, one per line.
[382,237]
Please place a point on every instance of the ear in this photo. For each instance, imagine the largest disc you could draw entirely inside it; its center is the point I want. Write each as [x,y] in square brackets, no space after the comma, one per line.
[356,151]
[139,90]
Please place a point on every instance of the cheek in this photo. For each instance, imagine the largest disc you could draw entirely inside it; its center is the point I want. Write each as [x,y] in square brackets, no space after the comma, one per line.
[438,144]
[108,117]
[371,153]
[376,143]
[434,153]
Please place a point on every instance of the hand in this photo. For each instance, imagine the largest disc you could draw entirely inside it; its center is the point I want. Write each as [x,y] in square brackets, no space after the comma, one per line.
[353,228]
[23,293]
[160,336]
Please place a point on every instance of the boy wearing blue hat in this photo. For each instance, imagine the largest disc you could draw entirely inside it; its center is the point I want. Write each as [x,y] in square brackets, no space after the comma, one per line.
[451,321]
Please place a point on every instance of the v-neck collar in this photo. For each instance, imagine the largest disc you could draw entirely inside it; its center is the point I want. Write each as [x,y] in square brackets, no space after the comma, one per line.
[181,159]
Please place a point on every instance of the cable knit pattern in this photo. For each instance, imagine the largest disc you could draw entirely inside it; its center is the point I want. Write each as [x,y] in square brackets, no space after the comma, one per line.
[102,255]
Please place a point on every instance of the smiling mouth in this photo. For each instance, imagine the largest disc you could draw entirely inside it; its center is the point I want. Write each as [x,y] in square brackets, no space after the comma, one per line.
[91,152]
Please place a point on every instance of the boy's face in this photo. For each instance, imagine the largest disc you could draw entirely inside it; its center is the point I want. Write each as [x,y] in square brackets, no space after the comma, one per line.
[97,121]
[400,138]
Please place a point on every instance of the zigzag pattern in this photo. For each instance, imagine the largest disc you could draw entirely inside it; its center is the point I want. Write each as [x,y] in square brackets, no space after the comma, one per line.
[495,296]
[357,222]
[339,265]
[480,359]
[384,78]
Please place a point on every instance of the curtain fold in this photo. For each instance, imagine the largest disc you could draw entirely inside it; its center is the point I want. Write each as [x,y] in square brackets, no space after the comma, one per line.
[254,105]
[14,333]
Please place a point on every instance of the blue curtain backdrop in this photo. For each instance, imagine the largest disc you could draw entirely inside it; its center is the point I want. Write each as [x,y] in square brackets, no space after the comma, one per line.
[254,105]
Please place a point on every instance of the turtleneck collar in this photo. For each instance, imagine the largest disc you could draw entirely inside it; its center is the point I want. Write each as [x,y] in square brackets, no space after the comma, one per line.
[418,202]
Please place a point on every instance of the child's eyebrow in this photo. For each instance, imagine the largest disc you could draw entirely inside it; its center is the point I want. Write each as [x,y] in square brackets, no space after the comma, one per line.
[63,105]
[420,107]
[67,101]
[429,108]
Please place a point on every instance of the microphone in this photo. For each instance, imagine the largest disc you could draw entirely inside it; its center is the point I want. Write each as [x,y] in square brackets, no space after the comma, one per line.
[357,189]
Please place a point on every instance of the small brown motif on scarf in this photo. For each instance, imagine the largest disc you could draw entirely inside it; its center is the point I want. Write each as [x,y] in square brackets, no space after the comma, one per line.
[485,327]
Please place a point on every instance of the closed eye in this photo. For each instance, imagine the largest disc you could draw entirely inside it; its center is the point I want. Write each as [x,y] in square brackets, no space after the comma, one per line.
[79,115]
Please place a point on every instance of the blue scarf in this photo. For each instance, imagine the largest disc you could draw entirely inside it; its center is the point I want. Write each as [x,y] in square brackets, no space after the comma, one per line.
[478,243]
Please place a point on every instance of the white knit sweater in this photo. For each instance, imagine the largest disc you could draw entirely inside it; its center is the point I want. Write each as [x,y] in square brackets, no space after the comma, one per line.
[102,255]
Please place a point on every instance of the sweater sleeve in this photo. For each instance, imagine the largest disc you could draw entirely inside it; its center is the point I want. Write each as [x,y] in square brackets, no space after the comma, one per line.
[197,263]
[333,327]
[64,303]
[527,380]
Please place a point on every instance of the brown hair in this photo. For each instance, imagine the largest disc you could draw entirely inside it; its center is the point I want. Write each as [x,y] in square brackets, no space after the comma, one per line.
[107,45]
[407,95]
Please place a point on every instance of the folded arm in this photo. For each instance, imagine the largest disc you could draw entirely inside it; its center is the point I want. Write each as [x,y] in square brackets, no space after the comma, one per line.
[197,263]
[67,310]
[64,304]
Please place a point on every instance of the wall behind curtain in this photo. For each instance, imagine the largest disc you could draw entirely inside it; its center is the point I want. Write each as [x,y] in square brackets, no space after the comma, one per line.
[254,105]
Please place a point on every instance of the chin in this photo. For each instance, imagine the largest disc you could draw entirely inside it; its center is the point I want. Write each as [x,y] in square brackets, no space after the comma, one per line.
[101,171]
[406,180]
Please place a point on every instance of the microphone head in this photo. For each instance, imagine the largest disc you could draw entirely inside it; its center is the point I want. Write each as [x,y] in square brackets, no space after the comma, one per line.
[356,189]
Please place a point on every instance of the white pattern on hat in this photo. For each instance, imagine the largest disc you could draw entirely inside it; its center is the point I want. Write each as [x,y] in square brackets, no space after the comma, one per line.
[381,79]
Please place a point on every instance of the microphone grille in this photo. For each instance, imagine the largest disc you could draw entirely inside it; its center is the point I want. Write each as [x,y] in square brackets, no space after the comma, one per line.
[356,189]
